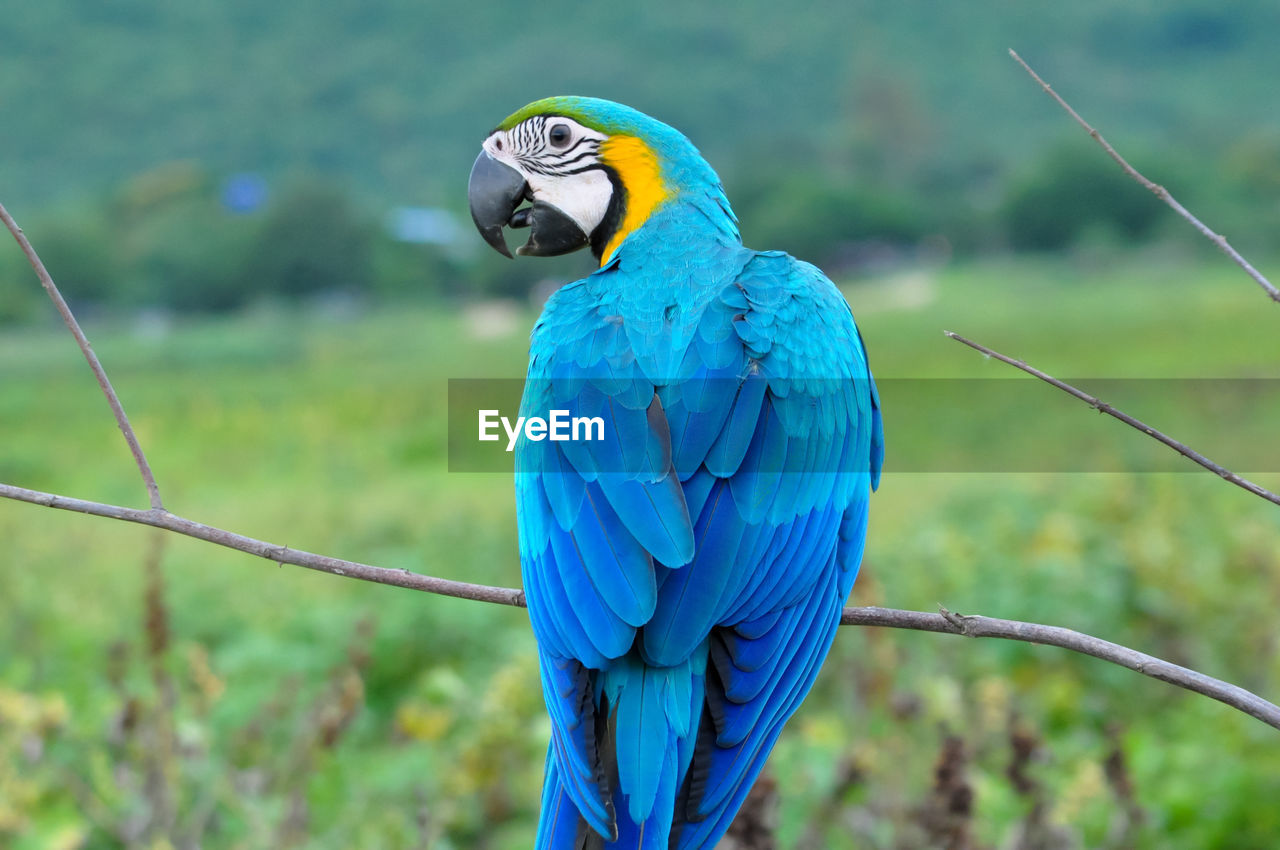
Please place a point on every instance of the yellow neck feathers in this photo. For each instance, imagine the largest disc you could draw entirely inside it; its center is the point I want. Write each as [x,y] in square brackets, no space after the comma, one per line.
[641,176]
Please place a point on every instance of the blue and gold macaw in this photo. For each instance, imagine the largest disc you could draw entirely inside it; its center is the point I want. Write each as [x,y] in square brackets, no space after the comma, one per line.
[685,572]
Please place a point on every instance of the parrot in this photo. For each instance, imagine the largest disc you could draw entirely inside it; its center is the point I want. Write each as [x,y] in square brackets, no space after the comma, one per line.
[685,565]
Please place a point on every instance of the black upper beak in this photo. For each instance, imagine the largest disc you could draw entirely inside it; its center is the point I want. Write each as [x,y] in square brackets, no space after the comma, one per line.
[496,190]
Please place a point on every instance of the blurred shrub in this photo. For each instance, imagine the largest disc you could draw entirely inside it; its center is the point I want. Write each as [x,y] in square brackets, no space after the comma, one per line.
[1252,168]
[816,219]
[77,249]
[312,240]
[167,239]
[408,270]
[1245,204]
[180,248]
[1074,197]
[1070,190]
[20,295]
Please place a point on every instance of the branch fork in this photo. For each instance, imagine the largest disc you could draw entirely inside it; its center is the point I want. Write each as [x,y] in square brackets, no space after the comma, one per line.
[960,621]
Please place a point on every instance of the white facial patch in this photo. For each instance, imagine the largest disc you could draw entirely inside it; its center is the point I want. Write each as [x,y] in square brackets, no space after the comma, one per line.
[559,158]
[584,197]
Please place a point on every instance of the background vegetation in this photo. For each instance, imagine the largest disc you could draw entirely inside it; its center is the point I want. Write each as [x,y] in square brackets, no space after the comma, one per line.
[215,187]
[159,147]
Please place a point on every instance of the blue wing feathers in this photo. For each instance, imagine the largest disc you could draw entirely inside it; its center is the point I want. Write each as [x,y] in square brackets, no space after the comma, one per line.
[688,598]
[567,689]
[794,568]
[752,629]
[642,730]
[622,570]
[696,490]
[749,725]
[544,616]
[785,540]
[723,517]
[564,489]
[760,471]
[731,445]
[698,414]
[608,634]
[558,825]
[656,514]
[758,694]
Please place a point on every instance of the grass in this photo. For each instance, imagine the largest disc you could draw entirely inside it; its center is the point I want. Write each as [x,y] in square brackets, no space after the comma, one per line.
[403,718]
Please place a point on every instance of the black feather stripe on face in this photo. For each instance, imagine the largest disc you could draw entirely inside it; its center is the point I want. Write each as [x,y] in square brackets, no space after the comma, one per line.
[531,150]
[613,215]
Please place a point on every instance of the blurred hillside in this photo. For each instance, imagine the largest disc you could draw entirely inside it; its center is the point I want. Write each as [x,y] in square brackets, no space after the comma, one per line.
[161,147]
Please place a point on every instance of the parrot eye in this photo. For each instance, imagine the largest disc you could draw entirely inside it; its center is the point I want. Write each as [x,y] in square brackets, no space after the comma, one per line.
[559,136]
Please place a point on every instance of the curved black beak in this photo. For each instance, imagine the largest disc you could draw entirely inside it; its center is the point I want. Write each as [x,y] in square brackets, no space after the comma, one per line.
[496,190]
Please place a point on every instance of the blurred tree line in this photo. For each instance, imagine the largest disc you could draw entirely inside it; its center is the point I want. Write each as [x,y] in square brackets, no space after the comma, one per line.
[171,239]
[177,239]
[853,134]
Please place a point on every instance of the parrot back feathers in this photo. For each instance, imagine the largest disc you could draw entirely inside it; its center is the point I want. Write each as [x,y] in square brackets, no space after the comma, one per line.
[685,575]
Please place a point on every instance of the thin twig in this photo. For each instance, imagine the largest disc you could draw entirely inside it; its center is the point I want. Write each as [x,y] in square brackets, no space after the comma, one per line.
[1103,407]
[1159,191]
[946,622]
[160,518]
[117,409]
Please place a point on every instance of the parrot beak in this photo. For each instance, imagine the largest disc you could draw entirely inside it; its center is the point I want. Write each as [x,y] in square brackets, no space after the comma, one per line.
[496,190]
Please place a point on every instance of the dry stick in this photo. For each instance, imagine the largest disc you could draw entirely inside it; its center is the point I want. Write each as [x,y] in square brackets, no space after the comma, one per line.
[946,622]
[1103,407]
[153,490]
[1159,191]
[977,626]
[160,518]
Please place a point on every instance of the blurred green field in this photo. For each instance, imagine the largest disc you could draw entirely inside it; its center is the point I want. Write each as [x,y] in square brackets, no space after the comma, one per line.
[283,708]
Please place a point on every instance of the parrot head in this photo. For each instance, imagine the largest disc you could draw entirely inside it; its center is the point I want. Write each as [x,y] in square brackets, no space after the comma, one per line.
[592,171]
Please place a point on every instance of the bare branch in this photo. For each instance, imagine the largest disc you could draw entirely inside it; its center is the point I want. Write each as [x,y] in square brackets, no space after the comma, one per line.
[117,409]
[976,626]
[1103,407]
[160,518]
[945,623]
[1159,191]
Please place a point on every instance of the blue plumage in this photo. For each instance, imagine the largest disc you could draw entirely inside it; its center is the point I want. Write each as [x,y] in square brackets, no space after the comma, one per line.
[685,574]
